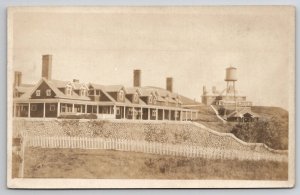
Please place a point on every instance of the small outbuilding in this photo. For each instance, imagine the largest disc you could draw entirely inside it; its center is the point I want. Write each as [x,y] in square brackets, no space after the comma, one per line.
[244,115]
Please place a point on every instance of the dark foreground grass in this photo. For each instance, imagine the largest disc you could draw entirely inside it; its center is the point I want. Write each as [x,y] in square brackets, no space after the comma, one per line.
[109,164]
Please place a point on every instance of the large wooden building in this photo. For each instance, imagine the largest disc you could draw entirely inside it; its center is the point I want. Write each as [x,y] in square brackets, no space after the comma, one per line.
[54,98]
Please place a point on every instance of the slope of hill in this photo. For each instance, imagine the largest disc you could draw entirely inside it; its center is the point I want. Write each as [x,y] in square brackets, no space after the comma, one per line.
[110,164]
[272,125]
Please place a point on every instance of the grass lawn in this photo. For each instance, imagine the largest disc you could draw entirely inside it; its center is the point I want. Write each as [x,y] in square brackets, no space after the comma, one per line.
[77,163]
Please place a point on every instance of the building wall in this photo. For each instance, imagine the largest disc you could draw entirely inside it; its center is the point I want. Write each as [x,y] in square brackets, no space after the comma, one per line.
[36,110]
[209,100]
[103,97]
[51,110]
[43,87]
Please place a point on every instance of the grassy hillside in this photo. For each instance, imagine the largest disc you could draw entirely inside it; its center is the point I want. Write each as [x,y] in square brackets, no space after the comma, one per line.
[277,120]
[207,117]
[272,112]
[273,126]
[76,163]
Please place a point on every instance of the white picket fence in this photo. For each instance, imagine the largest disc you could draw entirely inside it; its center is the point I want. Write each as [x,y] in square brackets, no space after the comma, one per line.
[148,147]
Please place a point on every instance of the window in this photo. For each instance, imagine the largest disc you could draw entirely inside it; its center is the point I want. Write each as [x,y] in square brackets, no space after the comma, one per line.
[48,92]
[68,90]
[154,100]
[130,111]
[63,108]
[136,97]
[153,112]
[52,107]
[33,107]
[121,95]
[118,111]
[94,109]
[176,114]
[82,92]
[38,92]
[105,110]
[150,99]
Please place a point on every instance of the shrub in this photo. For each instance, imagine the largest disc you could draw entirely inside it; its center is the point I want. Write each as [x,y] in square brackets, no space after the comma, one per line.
[78,116]
[269,132]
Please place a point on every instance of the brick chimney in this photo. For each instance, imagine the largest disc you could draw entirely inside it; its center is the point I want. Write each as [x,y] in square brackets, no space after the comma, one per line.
[18,78]
[136,78]
[214,89]
[169,84]
[75,81]
[47,67]
[204,90]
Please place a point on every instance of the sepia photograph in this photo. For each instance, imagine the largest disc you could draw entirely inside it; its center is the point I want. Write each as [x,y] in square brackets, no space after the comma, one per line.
[151,97]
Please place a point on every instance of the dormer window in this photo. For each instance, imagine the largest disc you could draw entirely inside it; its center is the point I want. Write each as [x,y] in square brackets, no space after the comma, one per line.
[38,92]
[167,100]
[48,92]
[150,99]
[136,97]
[68,90]
[121,95]
[154,100]
[82,92]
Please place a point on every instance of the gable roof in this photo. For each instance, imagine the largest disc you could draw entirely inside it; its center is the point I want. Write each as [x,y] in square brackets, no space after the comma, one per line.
[114,88]
[102,88]
[163,95]
[133,90]
[23,88]
[241,113]
[55,85]
[60,84]
[96,86]
[146,92]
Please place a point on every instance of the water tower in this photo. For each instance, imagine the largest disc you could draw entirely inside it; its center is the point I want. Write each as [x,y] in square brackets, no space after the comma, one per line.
[230,78]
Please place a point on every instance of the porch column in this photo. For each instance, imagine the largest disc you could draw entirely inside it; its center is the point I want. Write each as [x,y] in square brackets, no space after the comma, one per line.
[124,113]
[14,109]
[191,115]
[180,112]
[115,111]
[85,109]
[186,115]
[156,114]
[163,114]
[44,110]
[97,109]
[170,114]
[141,114]
[133,113]
[149,113]
[73,108]
[196,115]
[28,114]
[58,109]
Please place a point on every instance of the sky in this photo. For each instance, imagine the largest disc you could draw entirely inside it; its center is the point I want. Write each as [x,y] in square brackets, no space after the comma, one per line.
[192,45]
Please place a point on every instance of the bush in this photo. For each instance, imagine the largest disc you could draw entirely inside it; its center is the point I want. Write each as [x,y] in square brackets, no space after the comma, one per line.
[78,116]
[221,111]
[269,132]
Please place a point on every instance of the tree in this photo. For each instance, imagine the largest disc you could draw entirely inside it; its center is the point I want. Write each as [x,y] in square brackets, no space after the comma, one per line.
[268,132]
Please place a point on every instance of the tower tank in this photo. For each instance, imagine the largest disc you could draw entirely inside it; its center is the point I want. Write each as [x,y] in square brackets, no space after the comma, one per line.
[231,74]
